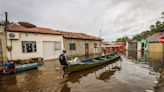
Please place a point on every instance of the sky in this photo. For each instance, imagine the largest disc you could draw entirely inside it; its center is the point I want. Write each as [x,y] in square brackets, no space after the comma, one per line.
[115,18]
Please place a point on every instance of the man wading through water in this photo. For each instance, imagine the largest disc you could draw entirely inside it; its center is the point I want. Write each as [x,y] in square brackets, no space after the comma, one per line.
[63,62]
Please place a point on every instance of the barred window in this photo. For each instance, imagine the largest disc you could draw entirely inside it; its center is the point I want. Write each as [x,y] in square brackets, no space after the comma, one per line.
[29,46]
[57,45]
[72,46]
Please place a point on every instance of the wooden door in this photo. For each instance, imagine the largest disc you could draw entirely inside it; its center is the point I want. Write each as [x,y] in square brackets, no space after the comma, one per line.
[86,49]
[1,54]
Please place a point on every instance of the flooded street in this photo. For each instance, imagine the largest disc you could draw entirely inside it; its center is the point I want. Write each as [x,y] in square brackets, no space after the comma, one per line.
[136,72]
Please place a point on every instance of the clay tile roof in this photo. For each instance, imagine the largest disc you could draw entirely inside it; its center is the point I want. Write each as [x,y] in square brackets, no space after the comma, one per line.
[74,35]
[19,28]
[155,37]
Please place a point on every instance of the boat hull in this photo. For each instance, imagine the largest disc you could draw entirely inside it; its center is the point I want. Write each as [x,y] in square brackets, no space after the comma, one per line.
[80,67]
[25,67]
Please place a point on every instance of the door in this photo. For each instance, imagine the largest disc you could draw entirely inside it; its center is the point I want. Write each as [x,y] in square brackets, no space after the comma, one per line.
[142,46]
[86,49]
[1,55]
[132,46]
[48,50]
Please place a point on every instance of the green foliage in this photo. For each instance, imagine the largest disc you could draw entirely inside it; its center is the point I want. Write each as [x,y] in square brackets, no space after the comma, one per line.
[123,39]
[153,29]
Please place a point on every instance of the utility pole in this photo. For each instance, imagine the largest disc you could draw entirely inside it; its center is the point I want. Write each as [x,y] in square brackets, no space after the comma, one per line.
[100,33]
[6,20]
[6,24]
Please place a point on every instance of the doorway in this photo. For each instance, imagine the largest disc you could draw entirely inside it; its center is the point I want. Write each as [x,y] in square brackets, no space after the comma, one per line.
[86,49]
[1,53]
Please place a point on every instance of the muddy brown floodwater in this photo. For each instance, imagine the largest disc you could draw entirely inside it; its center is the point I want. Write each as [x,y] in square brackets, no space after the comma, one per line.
[137,72]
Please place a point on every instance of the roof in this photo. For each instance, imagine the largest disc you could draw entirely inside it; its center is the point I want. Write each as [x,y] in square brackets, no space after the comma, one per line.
[74,35]
[155,37]
[20,28]
[70,35]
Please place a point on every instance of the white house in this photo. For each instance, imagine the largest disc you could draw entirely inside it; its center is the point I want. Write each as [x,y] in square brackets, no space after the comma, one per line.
[30,42]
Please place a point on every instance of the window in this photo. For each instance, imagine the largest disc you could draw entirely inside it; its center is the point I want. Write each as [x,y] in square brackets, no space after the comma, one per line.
[57,46]
[29,46]
[95,45]
[72,46]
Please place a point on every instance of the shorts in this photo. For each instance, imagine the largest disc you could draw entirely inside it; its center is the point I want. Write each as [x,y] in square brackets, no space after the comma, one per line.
[64,67]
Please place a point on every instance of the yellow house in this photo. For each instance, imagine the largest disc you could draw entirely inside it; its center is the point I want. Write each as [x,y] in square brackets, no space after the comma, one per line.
[153,42]
[3,48]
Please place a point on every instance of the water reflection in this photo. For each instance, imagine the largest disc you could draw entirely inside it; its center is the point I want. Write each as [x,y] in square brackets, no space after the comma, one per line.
[103,72]
[75,77]
[8,79]
[108,71]
[136,73]
[155,60]
[65,88]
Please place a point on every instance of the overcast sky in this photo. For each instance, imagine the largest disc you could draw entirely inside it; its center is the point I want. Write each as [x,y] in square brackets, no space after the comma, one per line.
[116,18]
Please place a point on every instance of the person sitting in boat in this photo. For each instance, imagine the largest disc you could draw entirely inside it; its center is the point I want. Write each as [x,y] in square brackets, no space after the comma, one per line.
[63,62]
[12,66]
[6,65]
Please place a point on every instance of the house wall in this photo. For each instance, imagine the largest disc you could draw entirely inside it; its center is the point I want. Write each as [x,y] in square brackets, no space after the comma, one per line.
[3,44]
[139,45]
[80,47]
[132,46]
[39,38]
[155,47]
[127,45]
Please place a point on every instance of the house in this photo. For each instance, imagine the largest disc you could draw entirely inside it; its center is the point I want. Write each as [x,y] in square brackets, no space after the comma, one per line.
[24,42]
[153,42]
[79,44]
[3,49]
[142,45]
[131,45]
[113,46]
[136,45]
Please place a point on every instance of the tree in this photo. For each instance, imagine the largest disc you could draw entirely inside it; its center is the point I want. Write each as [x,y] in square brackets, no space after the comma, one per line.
[158,26]
[162,15]
[152,28]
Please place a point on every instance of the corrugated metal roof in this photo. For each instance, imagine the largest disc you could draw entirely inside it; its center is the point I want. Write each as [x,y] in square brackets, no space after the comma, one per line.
[155,37]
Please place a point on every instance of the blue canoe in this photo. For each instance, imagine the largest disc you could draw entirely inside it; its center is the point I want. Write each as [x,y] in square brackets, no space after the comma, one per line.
[24,67]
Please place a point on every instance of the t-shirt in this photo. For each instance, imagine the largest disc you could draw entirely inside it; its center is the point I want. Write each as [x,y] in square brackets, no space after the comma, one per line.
[6,63]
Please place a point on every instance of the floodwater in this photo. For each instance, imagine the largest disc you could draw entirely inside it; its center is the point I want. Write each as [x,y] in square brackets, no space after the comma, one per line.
[136,72]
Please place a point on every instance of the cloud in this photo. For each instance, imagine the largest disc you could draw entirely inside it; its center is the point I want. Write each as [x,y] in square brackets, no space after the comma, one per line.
[116,18]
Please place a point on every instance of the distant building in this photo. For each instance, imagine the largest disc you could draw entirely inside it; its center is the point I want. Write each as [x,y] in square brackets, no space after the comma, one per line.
[136,45]
[153,42]
[30,42]
[131,45]
[78,44]
[113,46]
[142,45]
[3,49]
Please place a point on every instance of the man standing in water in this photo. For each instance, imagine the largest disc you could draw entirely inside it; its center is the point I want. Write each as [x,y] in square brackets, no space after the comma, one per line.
[63,62]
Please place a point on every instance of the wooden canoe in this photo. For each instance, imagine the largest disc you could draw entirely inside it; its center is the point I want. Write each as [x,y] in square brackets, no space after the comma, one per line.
[20,68]
[93,62]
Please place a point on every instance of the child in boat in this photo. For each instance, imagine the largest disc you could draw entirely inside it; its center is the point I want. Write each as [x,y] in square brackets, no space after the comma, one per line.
[6,65]
[11,66]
